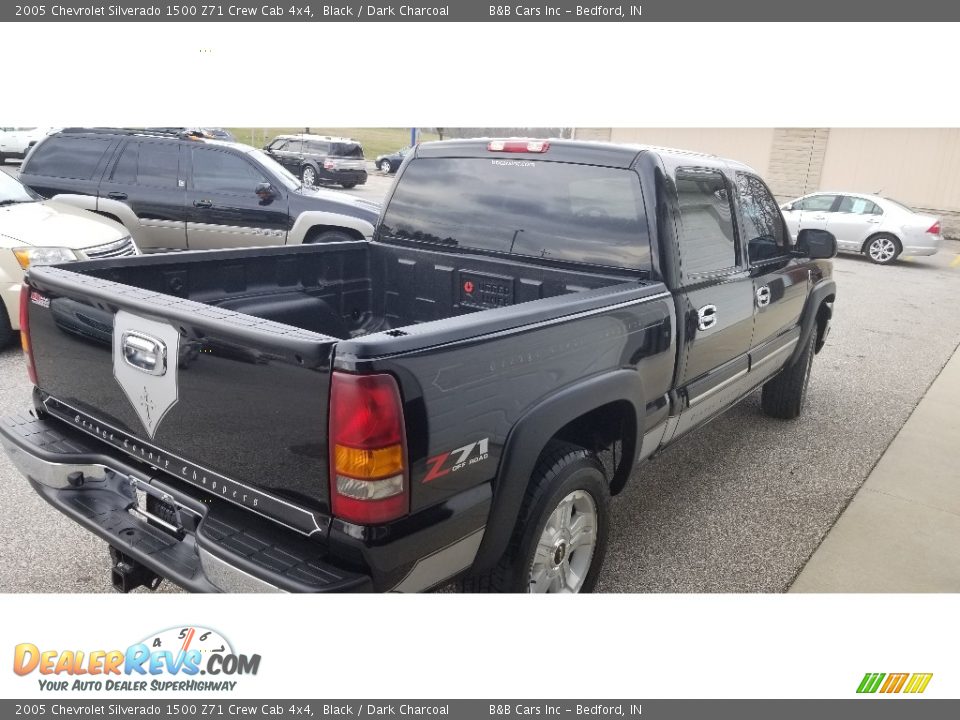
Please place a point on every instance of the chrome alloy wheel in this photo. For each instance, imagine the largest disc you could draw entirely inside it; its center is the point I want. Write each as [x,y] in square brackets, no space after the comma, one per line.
[882,250]
[565,550]
[309,176]
[385,166]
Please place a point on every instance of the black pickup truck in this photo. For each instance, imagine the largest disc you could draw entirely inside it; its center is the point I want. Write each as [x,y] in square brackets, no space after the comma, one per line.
[457,398]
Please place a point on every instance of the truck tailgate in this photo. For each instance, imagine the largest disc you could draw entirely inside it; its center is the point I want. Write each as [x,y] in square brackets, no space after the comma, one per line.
[238,407]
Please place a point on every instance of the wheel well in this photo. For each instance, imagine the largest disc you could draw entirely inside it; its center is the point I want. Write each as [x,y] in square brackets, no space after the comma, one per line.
[824,313]
[863,248]
[108,216]
[610,431]
[318,230]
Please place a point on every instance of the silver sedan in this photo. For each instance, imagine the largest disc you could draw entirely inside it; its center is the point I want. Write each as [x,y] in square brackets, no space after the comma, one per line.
[880,228]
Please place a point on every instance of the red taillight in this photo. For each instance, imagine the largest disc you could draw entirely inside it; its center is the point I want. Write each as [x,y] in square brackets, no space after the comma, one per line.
[368,475]
[328,164]
[935,228]
[25,291]
[518,146]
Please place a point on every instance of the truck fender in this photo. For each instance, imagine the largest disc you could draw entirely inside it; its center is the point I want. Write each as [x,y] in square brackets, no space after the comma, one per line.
[823,292]
[312,218]
[530,435]
[103,206]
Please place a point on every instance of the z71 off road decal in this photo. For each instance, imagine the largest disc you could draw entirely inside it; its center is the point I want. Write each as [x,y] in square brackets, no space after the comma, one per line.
[455,460]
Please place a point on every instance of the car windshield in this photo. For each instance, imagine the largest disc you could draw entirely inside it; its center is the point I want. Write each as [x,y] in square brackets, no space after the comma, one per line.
[284,175]
[900,205]
[13,191]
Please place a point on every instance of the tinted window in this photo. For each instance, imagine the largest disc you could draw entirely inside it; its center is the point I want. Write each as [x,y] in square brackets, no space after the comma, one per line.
[215,171]
[278,144]
[706,235]
[152,164]
[762,224]
[859,206]
[817,203]
[350,150]
[317,147]
[75,158]
[541,209]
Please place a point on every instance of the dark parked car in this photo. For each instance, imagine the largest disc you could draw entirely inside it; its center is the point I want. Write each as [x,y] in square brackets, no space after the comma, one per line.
[320,159]
[434,403]
[391,162]
[176,191]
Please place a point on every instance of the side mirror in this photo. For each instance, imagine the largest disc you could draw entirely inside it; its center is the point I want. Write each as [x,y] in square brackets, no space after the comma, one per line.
[787,208]
[265,191]
[816,244]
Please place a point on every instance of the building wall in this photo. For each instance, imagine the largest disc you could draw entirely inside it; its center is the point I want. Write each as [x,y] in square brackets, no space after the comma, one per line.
[749,145]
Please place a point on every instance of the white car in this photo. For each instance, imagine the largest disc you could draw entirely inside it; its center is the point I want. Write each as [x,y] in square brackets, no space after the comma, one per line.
[16,142]
[878,227]
[34,231]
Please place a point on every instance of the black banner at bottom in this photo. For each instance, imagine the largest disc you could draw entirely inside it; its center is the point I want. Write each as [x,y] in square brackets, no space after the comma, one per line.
[873,707]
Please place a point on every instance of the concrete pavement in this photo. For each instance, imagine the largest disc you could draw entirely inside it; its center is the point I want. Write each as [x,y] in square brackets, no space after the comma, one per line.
[901,531]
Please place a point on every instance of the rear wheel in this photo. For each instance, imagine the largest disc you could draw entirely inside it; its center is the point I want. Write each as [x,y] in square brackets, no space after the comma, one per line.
[6,331]
[883,249]
[784,394]
[328,237]
[385,166]
[348,186]
[560,540]
[308,175]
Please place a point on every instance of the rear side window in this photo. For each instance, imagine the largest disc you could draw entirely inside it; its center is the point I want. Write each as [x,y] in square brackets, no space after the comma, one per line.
[152,164]
[560,211]
[707,240]
[859,206]
[216,171]
[75,158]
[763,229]
[316,147]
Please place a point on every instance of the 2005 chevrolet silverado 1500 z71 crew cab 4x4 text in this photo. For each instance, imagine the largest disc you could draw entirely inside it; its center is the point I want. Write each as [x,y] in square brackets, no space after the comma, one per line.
[428,405]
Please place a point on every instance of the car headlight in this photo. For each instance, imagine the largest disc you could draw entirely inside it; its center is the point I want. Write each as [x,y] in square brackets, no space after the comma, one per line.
[28,256]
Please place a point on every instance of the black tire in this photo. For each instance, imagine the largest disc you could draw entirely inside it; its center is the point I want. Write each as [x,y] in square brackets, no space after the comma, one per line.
[784,394]
[348,186]
[562,469]
[877,248]
[329,236]
[7,333]
[386,167]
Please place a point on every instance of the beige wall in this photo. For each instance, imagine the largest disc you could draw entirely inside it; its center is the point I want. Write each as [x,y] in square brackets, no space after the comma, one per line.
[920,167]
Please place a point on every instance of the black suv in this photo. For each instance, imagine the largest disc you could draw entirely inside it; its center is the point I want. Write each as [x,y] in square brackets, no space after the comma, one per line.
[319,159]
[177,190]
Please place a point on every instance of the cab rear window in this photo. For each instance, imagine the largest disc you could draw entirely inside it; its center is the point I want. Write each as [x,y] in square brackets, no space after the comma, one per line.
[558,211]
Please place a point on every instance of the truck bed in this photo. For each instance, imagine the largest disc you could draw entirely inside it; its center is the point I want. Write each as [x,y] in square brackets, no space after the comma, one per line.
[259,333]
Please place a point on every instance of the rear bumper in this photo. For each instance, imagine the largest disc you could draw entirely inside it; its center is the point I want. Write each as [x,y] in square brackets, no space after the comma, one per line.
[214,548]
[358,177]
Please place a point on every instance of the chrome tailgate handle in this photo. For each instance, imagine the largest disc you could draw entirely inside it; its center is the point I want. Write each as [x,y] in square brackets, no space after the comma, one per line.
[143,352]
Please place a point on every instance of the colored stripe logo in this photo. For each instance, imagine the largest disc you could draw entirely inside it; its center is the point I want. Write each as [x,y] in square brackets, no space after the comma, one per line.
[913,683]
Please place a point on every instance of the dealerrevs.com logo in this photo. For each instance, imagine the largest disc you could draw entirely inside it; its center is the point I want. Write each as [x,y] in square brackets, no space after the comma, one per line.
[893,683]
[178,659]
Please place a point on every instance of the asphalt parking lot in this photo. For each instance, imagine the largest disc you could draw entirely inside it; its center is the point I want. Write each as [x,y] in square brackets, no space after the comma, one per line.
[737,506]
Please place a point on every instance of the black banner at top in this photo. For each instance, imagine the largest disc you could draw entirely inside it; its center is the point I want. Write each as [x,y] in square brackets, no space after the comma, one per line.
[481,11]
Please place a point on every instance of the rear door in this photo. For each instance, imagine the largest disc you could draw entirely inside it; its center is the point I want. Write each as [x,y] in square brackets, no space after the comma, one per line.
[715,300]
[780,280]
[223,205]
[854,221]
[148,176]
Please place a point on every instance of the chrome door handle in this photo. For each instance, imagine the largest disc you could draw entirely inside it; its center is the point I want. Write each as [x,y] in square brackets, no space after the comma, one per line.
[873,220]
[707,317]
[763,296]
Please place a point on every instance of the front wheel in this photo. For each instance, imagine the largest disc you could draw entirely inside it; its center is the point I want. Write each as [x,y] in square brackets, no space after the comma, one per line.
[883,249]
[560,540]
[784,394]
[385,167]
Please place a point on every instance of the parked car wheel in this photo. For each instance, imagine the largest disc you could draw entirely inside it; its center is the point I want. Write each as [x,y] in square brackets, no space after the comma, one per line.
[348,186]
[784,394]
[308,175]
[385,166]
[6,332]
[883,249]
[560,540]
